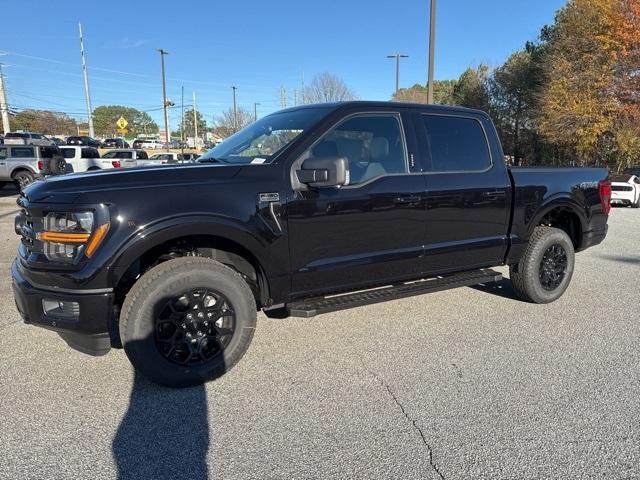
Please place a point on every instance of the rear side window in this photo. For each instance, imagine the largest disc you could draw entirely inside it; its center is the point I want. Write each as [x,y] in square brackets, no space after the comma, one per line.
[16,135]
[68,152]
[90,153]
[456,144]
[3,152]
[22,152]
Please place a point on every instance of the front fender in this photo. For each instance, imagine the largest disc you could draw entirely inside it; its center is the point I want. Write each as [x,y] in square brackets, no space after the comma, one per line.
[262,244]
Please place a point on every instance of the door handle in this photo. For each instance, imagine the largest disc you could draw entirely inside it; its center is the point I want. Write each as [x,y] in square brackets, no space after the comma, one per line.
[494,194]
[408,199]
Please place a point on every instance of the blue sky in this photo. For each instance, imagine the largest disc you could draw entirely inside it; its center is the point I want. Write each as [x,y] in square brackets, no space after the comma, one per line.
[256,45]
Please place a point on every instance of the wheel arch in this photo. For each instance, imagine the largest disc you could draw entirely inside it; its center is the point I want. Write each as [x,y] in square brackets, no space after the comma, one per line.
[565,214]
[232,248]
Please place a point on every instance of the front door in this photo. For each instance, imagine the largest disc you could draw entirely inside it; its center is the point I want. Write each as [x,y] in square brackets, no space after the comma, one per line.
[468,192]
[369,232]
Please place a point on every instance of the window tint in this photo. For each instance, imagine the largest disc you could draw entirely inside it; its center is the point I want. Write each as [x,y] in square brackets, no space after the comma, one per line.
[89,153]
[36,136]
[3,152]
[48,152]
[22,152]
[142,155]
[373,145]
[16,135]
[68,152]
[456,144]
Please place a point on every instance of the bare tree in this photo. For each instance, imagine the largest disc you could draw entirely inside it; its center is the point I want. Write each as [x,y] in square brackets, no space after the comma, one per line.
[327,87]
[227,125]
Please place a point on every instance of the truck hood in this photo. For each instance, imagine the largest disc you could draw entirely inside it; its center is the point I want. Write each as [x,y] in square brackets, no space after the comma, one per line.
[73,187]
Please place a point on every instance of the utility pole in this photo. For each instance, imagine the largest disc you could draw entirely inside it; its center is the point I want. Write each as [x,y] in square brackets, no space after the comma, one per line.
[235,110]
[397,56]
[164,98]
[283,97]
[255,111]
[4,108]
[182,122]
[87,94]
[195,123]
[432,45]
[302,92]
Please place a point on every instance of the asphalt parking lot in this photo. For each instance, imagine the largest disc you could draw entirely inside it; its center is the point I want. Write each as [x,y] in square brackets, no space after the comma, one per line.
[468,383]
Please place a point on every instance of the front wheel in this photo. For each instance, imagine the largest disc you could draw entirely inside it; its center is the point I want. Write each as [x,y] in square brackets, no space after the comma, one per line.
[22,179]
[187,321]
[544,272]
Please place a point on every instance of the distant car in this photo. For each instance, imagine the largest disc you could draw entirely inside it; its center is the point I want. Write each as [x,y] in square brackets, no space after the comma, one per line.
[632,171]
[115,143]
[625,190]
[168,157]
[82,159]
[190,157]
[58,141]
[150,144]
[27,138]
[22,164]
[83,140]
[127,157]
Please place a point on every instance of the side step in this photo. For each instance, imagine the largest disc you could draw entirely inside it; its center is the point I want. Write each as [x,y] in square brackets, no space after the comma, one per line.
[310,307]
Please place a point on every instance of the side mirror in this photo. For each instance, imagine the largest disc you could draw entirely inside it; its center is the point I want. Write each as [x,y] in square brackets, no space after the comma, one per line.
[324,172]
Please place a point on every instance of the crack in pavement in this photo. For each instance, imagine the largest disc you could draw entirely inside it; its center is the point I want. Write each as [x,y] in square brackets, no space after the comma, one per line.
[413,422]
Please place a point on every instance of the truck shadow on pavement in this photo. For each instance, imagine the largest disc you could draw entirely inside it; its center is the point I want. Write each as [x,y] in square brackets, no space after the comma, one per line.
[633,259]
[164,434]
[503,288]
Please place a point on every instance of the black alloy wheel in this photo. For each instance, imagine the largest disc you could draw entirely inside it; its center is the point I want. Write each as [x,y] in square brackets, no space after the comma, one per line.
[553,267]
[195,327]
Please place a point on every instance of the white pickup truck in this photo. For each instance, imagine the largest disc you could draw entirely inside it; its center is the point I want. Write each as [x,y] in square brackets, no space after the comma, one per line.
[82,159]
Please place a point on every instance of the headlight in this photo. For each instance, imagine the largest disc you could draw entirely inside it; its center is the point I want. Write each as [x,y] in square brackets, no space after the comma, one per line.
[67,235]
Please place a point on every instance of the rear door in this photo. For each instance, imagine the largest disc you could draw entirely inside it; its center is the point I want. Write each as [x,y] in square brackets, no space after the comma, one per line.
[4,169]
[370,231]
[468,191]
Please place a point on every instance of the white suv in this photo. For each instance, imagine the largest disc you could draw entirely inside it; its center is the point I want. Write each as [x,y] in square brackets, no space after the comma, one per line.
[81,159]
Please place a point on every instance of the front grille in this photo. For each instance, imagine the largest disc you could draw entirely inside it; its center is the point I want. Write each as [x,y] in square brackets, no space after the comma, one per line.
[28,225]
[621,188]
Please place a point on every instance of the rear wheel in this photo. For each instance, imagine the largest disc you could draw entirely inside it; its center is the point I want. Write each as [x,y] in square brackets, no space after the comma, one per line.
[22,179]
[544,272]
[187,321]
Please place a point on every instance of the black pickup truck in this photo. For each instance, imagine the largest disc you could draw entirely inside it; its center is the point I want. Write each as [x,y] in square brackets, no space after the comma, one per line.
[309,210]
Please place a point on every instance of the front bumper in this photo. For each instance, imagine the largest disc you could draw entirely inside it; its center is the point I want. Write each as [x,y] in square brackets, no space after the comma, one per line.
[87,333]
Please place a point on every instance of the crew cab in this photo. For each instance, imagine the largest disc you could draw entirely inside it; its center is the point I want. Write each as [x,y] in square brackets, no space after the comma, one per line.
[126,157]
[82,159]
[313,209]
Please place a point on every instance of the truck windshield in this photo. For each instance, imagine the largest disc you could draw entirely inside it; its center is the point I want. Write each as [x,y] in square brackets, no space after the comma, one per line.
[261,141]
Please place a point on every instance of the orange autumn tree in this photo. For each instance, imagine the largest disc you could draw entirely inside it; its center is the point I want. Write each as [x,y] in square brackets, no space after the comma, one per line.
[578,104]
[626,80]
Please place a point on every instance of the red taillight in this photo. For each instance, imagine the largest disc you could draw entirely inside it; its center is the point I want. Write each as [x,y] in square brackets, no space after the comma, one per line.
[604,190]
[116,164]
[40,165]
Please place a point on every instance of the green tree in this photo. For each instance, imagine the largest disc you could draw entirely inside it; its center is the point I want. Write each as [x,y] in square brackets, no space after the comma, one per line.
[43,121]
[514,88]
[189,131]
[471,90]
[106,116]
[442,93]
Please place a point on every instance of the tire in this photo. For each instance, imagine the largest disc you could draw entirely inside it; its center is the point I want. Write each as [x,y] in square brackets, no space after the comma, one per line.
[531,280]
[22,179]
[57,165]
[160,288]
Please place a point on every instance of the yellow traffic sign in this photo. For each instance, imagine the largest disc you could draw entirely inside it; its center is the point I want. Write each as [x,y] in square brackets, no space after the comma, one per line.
[122,130]
[122,123]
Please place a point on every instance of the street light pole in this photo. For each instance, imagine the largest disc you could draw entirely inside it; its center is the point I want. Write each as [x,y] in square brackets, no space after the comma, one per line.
[255,111]
[4,108]
[397,56]
[195,123]
[87,94]
[432,44]
[164,98]
[235,110]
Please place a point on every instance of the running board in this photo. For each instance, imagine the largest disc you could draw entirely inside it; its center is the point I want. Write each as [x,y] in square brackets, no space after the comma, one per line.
[310,307]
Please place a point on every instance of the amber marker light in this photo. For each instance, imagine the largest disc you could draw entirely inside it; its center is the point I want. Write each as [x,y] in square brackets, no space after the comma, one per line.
[96,239]
[62,237]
